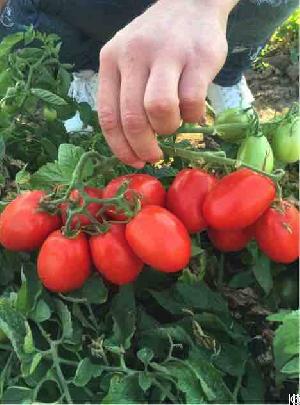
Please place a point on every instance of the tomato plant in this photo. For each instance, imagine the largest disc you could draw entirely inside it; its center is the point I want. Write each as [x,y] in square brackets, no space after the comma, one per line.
[277,233]
[159,239]
[238,200]
[186,195]
[63,264]
[225,124]
[23,226]
[113,257]
[147,187]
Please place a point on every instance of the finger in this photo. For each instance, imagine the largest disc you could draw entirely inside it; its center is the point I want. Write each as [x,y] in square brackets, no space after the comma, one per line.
[109,113]
[135,123]
[161,98]
[192,94]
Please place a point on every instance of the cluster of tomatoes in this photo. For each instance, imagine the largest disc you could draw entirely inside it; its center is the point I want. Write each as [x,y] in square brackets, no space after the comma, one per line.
[233,210]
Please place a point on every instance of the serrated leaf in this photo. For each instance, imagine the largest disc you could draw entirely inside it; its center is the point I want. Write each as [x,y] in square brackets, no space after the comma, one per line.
[123,312]
[124,390]
[35,362]
[22,177]
[65,318]
[49,97]
[9,41]
[145,381]
[28,345]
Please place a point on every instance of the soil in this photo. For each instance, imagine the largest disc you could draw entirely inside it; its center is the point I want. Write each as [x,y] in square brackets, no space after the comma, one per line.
[276,86]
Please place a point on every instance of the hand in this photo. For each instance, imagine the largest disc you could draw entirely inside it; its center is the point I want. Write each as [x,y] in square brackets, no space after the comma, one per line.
[156,71]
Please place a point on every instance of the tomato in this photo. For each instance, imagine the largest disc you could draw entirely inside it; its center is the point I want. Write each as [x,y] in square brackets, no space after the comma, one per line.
[50,114]
[232,116]
[238,200]
[80,220]
[113,257]
[148,187]
[230,241]
[186,195]
[64,264]
[257,152]
[159,239]
[286,141]
[22,226]
[277,233]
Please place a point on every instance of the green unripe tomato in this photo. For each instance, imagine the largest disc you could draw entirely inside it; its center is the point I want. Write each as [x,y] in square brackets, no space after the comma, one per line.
[286,141]
[50,114]
[232,116]
[257,152]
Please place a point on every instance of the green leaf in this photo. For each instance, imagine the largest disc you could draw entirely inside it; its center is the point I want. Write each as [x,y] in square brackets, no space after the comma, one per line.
[145,355]
[35,362]
[124,390]
[10,41]
[262,271]
[61,171]
[65,318]
[253,389]
[242,280]
[23,177]
[18,395]
[123,312]
[187,382]
[145,381]
[15,327]
[41,312]
[94,290]
[211,379]
[49,97]
[85,372]
[292,366]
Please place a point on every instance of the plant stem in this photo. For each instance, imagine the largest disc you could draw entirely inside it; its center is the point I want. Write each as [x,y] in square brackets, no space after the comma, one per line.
[211,157]
[56,362]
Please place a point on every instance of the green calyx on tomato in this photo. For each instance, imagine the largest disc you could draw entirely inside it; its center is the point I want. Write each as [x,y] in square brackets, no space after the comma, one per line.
[286,141]
[257,152]
[234,116]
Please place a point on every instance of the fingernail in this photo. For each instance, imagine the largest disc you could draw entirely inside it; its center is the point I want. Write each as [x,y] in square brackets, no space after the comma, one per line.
[138,165]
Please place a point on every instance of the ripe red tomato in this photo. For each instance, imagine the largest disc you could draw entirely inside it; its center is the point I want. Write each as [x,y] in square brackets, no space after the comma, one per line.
[22,226]
[230,241]
[238,200]
[64,264]
[277,233]
[148,187]
[159,239]
[113,257]
[186,195]
[81,220]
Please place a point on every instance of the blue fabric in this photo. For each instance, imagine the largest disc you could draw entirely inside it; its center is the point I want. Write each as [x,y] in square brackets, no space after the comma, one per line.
[85,26]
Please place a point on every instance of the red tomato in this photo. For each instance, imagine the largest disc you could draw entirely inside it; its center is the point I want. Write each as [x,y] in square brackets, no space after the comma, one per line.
[113,257]
[81,220]
[186,195]
[64,264]
[277,233]
[159,239]
[230,241]
[22,226]
[238,200]
[148,187]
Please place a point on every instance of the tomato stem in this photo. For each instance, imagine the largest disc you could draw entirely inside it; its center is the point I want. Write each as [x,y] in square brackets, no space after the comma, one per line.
[211,157]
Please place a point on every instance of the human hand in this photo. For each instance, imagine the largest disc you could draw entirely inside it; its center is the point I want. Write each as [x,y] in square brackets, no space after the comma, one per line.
[155,72]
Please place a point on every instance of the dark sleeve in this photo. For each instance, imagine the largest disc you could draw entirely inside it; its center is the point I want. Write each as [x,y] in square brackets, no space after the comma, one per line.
[99,19]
